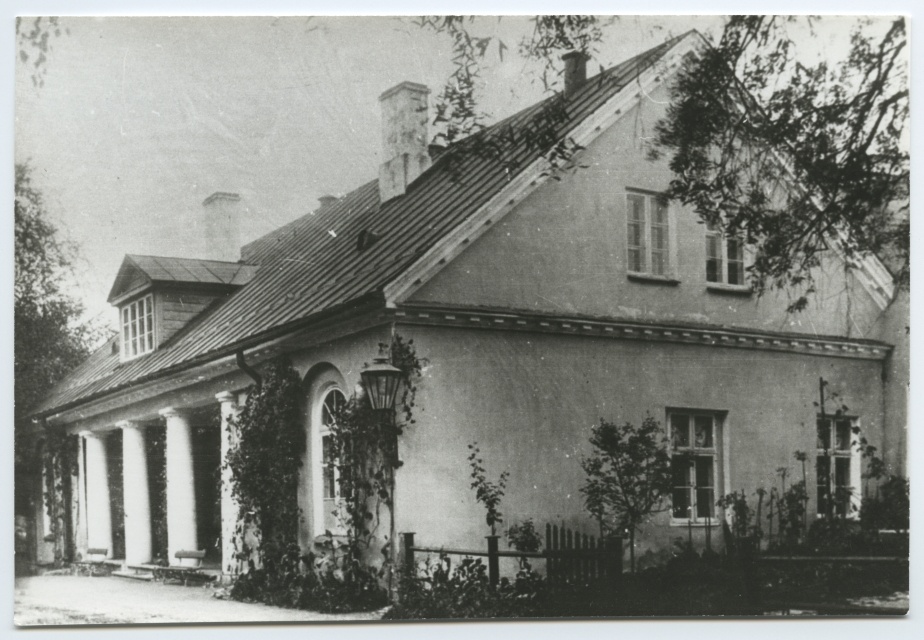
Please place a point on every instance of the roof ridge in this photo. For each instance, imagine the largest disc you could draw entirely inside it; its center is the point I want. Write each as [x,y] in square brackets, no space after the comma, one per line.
[192,259]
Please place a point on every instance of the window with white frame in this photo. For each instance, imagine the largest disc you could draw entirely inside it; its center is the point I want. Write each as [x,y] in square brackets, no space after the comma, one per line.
[331,406]
[724,257]
[837,468]
[648,233]
[138,327]
[694,438]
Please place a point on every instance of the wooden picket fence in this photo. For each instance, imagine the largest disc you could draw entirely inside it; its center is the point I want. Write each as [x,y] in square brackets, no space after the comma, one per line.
[570,557]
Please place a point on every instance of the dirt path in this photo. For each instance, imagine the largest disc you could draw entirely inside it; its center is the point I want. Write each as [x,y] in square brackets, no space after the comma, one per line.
[69,600]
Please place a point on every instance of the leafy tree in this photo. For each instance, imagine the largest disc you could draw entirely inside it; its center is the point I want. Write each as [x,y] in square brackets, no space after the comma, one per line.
[628,476]
[749,116]
[48,340]
[798,158]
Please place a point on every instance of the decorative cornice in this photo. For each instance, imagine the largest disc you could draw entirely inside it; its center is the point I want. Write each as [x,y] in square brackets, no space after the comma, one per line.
[829,346]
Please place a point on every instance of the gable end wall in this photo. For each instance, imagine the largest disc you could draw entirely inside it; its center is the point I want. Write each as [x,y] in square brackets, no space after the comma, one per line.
[563,250]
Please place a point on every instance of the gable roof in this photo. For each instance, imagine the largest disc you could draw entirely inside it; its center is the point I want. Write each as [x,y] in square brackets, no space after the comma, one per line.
[312,265]
[137,271]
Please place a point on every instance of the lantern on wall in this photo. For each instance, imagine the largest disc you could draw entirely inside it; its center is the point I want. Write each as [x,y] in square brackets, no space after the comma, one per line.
[381,381]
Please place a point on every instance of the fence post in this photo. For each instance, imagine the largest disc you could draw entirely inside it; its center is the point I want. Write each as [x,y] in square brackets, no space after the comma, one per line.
[407,545]
[493,561]
[614,560]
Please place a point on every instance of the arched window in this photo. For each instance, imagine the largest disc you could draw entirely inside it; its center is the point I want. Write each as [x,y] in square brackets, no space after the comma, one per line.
[332,403]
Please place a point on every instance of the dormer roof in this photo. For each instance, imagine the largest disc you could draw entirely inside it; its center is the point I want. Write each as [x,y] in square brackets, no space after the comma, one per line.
[138,273]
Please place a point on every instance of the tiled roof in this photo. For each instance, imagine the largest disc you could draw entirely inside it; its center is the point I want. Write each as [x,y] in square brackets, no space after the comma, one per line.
[312,264]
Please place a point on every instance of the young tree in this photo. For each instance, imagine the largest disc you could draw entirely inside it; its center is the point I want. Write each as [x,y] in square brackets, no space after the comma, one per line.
[628,476]
[748,116]
[487,493]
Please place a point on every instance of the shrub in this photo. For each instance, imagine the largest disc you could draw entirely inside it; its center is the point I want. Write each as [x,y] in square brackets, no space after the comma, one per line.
[524,536]
[464,591]
[889,508]
[323,586]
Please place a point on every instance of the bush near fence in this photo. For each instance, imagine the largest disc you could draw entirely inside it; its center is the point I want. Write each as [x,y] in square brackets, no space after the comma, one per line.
[570,557]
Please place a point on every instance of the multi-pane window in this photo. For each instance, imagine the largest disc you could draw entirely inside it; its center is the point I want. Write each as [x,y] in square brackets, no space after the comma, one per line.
[834,465]
[724,257]
[648,234]
[331,408]
[138,327]
[693,465]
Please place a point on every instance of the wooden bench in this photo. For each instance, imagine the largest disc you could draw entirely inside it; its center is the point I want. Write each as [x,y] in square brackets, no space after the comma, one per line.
[184,572]
[95,562]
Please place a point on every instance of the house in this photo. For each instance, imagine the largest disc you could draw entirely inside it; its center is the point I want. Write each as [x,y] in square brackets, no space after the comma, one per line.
[542,299]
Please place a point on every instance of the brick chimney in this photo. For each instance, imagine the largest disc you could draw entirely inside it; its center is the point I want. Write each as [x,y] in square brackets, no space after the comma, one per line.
[404,138]
[575,70]
[327,200]
[222,213]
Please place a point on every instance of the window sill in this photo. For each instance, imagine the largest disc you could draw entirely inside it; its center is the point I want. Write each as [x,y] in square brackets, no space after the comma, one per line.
[698,524]
[742,290]
[648,278]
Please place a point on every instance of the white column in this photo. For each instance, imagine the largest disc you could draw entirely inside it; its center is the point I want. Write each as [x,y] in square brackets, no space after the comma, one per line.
[137,498]
[229,506]
[81,525]
[99,517]
[181,488]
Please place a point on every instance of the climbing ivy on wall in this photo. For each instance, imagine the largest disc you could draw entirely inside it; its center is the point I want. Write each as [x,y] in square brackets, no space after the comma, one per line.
[365,453]
[156,450]
[265,474]
[59,461]
[345,576]
[116,492]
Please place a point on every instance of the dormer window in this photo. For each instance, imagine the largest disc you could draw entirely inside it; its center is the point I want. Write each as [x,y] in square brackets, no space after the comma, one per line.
[138,327]
[158,296]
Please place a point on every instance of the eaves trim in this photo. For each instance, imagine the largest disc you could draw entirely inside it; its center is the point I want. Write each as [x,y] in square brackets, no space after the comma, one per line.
[595,327]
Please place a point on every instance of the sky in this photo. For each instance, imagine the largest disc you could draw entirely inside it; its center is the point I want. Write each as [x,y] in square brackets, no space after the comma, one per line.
[140,119]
